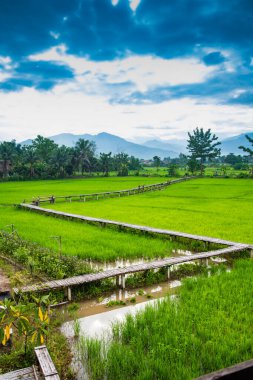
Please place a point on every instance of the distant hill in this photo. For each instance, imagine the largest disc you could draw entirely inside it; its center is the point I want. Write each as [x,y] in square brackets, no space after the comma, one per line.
[231,144]
[174,147]
[106,143]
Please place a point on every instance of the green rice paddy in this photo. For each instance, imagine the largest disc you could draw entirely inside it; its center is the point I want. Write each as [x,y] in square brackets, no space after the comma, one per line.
[213,207]
[207,328]
[85,241]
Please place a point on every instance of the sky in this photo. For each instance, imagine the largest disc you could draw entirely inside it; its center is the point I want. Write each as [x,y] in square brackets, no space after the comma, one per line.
[139,69]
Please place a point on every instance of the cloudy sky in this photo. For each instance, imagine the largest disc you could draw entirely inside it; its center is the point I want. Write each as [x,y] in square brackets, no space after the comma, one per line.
[138,69]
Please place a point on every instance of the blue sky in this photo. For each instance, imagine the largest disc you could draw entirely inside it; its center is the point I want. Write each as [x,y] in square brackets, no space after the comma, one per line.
[140,69]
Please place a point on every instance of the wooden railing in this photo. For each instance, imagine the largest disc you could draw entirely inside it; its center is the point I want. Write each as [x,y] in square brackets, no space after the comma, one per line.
[118,193]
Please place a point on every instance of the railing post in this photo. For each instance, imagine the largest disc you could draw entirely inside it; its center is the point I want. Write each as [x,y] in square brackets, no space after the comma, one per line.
[123,281]
[69,293]
[168,273]
[117,281]
[251,253]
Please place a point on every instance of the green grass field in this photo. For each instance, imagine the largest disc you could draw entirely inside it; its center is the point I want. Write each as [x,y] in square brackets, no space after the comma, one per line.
[88,242]
[208,328]
[214,207]
[16,192]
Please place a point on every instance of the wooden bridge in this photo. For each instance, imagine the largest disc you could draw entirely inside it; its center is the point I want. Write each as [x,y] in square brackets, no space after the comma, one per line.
[120,273]
[109,194]
[45,368]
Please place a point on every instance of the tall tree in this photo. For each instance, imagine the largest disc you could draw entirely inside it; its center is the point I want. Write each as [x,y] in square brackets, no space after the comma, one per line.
[157,162]
[8,153]
[60,160]
[105,161]
[203,146]
[85,150]
[30,157]
[248,150]
[121,163]
[44,148]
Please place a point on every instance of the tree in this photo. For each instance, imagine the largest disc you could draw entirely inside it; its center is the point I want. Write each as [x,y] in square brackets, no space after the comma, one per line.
[203,145]
[172,170]
[134,163]
[157,162]
[30,157]
[105,161]
[60,159]
[85,150]
[8,153]
[248,150]
[44,148]
[193,165]
[121,164]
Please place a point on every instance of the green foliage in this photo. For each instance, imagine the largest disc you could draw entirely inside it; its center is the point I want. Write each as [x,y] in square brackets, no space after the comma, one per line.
[203,145]
[40,260]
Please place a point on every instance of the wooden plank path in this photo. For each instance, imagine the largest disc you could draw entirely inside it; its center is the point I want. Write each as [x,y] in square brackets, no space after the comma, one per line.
[120,273]
[133,227]
[102,195]
[45,370]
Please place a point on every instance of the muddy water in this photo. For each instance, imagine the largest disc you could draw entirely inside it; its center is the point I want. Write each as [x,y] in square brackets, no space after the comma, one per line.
[141,294]
[123,263]
[95,318]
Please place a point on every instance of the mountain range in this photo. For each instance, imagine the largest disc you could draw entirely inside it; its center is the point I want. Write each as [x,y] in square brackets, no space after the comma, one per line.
[106,142]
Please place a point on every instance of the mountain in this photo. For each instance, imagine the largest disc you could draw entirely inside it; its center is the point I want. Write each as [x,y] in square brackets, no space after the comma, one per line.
[231,144]
[106,143]
[174,147]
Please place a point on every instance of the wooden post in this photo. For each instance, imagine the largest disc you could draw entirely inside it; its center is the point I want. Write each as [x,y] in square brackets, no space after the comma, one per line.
[118,281]
[206,261]
[251,253]
[123,281]
[168,273]
[69,293]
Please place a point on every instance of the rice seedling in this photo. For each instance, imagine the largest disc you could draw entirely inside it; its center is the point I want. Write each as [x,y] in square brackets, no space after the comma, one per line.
[208,206]
[209,327]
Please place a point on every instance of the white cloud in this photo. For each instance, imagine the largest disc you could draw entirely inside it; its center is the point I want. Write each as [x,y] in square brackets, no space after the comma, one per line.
[134,4]
[143,71]
[30,112]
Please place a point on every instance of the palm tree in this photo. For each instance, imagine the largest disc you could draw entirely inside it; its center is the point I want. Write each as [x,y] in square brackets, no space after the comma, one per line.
[85,150]
[60,159]
[30,157]
[8,153]
[105,162]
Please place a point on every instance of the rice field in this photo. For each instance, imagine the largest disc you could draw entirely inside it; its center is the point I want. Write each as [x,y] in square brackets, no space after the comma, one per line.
[208,327]
[213,207]
[84,241]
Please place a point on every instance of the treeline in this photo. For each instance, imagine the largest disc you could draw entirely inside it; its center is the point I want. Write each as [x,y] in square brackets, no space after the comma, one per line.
[44,159]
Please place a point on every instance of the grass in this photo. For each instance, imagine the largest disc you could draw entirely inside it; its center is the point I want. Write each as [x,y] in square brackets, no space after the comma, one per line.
[214,207]
[87,242]
[16,192]
[209,327]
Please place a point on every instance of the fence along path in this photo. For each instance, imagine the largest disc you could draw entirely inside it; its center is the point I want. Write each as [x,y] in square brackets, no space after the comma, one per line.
[97,196]
[120,273]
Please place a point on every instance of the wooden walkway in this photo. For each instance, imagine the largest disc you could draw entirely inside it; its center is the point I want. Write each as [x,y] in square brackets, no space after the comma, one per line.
[45,370]
[120,273]
[109,194]
[127,226]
